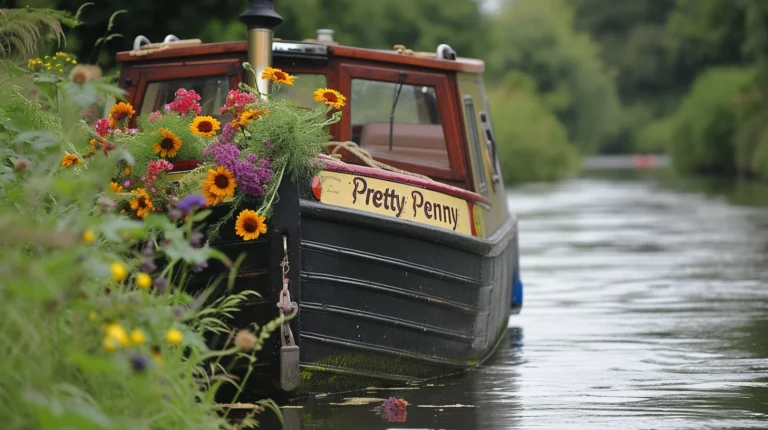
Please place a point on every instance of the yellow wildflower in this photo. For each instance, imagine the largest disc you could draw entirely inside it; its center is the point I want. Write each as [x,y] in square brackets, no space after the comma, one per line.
[89,236]
[137,337]
[143,281]
[118,272]
[174,336]
[117,332]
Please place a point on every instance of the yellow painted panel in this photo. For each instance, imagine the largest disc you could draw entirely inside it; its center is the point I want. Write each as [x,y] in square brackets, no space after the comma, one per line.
[396,200]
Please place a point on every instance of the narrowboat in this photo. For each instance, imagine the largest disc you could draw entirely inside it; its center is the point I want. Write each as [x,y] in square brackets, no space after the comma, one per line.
[402,254]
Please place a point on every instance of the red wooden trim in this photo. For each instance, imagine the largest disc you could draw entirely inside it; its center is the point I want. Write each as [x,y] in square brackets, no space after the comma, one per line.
[461,64]
[204,49]
[336,166]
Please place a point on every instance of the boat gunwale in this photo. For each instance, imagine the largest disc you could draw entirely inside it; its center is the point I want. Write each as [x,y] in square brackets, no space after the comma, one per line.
[400,178]
[461,64]
[491,246]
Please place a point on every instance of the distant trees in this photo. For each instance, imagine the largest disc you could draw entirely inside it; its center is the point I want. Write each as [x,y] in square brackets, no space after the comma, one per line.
[538,38]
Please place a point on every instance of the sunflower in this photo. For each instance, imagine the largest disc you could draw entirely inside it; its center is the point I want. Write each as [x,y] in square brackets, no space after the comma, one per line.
[69,160]
[210,198]
[169,144]
[141,204]
[250,115]
[119,112]
[250,224]
[330,97]
[205,126]
[115,187]
[277,76]
[220,182]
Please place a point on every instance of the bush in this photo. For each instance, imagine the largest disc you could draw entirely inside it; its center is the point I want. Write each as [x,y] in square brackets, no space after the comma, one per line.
[707,122]
[94,335]
[532,143]
[538,38]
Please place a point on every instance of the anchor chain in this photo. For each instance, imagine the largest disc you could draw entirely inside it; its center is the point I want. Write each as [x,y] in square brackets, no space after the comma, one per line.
[288,309]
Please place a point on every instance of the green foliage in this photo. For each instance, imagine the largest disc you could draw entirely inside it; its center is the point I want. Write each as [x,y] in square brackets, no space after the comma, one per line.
[707,122]
[22,29]
[532,144]
[141,146]
[538,38]
[92,336]
[295,136]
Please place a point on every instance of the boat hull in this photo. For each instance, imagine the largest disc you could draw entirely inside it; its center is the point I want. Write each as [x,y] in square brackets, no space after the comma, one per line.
[381,300]
[396,301]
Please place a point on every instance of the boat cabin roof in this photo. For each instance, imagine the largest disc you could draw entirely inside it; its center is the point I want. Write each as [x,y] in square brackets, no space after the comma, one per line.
[308,49]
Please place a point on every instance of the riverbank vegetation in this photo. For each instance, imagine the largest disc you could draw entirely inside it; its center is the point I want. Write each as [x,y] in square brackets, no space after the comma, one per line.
[616,76]
[96,333]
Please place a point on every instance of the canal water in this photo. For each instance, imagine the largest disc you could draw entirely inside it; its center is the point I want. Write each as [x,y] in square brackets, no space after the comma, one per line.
[646,307]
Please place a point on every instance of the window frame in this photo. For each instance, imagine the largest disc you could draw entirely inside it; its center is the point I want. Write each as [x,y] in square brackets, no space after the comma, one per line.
[475,148]
[455,172]
[161,72]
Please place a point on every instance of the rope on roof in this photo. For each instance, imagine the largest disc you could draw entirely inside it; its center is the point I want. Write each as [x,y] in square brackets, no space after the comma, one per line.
[162,46]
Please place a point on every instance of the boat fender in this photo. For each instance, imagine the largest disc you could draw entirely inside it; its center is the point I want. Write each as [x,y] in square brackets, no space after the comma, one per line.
[140,41]
[445,52]
[289,351]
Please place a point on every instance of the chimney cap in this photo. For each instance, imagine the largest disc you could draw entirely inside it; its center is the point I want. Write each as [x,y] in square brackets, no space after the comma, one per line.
[261,14]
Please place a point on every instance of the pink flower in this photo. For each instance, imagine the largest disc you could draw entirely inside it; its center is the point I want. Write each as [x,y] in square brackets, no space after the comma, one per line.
[102,127]
[236,102]
[185,103]
[154,116]
[127,183]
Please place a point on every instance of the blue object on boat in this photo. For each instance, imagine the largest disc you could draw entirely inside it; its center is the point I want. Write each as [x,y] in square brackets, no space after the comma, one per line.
[517,292]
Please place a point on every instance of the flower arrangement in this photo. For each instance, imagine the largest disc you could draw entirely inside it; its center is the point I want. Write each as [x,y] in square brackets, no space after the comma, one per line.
[240,163]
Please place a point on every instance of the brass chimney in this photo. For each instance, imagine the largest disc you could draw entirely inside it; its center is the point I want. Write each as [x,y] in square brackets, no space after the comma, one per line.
[260,18]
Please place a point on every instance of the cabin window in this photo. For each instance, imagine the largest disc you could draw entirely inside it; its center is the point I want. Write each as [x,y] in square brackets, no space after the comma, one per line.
[212,90]
[303,89]
[474,144]
[417,133]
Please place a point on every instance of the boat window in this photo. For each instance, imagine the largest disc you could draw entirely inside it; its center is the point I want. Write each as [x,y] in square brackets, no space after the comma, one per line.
[472,85]
[417,133]
[212,90]
[474,144]
[303,88]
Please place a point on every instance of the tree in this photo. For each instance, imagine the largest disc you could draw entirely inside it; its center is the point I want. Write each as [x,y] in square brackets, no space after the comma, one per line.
[538,38]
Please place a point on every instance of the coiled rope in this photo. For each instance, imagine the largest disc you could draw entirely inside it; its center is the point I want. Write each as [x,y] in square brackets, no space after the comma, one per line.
[366,157]
[161,46]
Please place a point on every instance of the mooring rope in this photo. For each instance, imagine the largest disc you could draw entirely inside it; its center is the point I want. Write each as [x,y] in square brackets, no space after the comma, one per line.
[161,46]
[366,158]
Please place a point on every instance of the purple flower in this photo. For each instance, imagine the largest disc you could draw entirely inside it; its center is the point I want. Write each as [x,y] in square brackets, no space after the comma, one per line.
[252,175]
[192,202]
[267,144]
[127,183]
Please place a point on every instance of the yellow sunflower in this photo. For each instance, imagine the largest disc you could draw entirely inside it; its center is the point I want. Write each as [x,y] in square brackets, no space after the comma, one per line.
[330,97]
[115,187]
[169,144]
[205,126]
[250,115]
[277,76]
[119,112]
[220,182]
[69,160]
[141,204]
[250,224]
[210,198]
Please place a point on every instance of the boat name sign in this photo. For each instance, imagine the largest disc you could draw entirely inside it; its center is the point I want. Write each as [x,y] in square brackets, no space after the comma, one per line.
[397,200]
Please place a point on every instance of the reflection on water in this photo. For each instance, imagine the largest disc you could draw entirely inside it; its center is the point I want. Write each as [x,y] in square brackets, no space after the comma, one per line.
[646,307]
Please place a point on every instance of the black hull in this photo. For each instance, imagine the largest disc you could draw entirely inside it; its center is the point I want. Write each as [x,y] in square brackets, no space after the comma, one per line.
[382,301]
